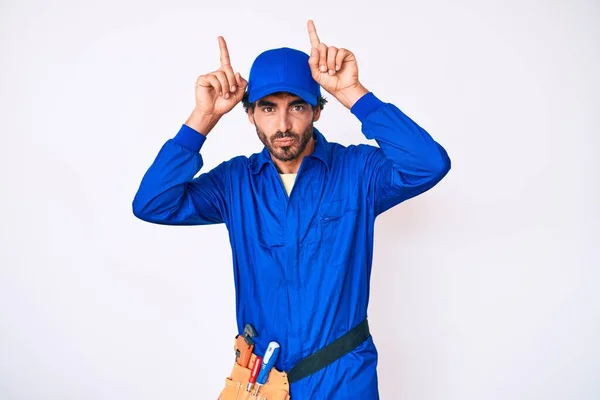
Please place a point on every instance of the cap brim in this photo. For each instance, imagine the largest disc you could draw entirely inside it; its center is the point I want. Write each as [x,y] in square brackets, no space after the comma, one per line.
[266,90]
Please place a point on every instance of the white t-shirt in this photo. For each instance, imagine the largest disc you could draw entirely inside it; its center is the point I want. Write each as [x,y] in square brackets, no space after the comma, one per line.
[288,181]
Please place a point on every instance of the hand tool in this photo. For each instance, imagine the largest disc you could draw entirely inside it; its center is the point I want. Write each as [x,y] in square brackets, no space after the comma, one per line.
[244,345]
[254,373]
[268,362]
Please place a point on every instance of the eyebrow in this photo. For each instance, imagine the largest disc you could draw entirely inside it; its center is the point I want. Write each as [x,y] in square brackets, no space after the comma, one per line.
[266,103]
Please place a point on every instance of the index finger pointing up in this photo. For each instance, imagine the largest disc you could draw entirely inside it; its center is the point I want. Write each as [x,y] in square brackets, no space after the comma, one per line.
[312,34]
[224,52]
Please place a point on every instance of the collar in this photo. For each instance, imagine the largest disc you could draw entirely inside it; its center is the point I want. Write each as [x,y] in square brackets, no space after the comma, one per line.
[321,152]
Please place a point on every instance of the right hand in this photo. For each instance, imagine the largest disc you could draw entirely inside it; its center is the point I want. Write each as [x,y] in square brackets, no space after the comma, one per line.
[219,91]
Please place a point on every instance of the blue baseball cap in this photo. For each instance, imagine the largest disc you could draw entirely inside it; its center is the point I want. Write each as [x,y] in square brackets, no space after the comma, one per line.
[282,70]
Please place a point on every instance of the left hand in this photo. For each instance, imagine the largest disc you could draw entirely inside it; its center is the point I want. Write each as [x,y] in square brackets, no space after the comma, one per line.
[334,69]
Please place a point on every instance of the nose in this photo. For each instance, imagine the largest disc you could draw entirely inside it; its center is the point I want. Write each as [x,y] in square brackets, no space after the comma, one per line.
[284,122]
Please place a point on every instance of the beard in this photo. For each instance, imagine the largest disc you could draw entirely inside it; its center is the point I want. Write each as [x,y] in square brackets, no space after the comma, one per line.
[295,145]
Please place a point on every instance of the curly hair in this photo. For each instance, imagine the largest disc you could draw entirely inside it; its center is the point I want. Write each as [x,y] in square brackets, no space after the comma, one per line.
[321,101]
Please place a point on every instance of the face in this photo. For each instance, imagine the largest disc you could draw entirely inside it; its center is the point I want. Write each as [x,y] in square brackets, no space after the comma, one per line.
[284,124]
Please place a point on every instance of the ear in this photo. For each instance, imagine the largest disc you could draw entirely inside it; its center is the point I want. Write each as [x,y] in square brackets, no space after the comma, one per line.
[316,113]
[251,115]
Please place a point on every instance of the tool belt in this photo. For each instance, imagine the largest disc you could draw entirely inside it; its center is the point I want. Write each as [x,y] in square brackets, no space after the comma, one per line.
[278,382]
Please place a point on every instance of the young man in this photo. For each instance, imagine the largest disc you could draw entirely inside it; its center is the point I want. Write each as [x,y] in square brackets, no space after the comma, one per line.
[300,214]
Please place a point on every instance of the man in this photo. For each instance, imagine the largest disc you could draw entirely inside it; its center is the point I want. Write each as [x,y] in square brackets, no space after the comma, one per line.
[300,214]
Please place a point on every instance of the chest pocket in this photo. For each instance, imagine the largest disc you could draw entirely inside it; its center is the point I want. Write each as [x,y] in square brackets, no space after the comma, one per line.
[334,220]
[268,236]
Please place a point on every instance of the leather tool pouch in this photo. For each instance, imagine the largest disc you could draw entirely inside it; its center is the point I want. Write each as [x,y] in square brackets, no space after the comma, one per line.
[277,386]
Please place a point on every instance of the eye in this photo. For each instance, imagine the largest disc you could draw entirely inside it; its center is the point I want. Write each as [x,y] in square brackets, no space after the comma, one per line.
[267,109]
[299,107]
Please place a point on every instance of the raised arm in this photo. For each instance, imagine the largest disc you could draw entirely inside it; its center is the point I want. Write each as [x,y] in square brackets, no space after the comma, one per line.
[408,160]
[168,193]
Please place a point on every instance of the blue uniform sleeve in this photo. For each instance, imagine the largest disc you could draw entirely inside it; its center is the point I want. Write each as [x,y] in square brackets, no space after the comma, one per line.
[408,160]
[170,195]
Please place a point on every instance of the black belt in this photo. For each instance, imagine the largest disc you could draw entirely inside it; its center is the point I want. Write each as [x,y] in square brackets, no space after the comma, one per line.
[328,354]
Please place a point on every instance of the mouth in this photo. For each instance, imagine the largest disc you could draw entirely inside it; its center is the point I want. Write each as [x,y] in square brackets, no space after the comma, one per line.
[284,142]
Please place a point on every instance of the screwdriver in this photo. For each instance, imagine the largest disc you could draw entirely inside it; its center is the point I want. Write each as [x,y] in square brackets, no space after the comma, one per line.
[268,362]
[254,373]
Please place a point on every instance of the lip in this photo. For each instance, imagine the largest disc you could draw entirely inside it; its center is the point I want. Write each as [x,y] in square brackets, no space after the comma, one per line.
[284,142]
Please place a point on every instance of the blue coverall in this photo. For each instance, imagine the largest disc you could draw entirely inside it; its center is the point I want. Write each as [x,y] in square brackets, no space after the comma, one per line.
[302,262]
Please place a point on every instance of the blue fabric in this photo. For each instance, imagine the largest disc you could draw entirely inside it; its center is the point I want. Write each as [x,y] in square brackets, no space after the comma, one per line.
[282,70]
[302,263]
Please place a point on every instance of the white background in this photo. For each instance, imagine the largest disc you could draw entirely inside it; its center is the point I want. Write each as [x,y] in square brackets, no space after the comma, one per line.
[483,288]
